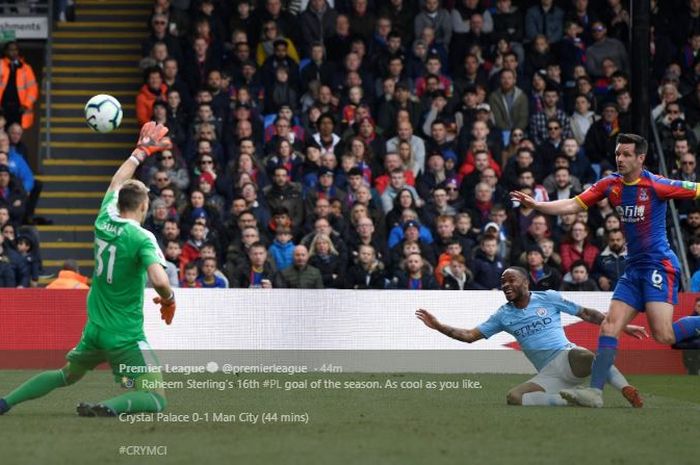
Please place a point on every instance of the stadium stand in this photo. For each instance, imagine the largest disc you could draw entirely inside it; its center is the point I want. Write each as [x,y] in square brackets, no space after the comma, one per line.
[370,106]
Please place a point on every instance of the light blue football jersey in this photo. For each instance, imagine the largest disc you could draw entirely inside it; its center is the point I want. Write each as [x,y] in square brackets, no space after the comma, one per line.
[537,327]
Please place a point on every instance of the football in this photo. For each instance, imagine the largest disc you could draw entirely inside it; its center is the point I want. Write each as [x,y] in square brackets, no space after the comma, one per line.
[103,113]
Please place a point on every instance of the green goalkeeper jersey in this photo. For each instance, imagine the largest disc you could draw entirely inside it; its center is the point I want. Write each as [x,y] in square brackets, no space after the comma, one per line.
[123,252]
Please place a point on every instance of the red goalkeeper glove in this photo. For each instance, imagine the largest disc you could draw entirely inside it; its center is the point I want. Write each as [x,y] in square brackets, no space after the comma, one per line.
[151,140]
[167,308]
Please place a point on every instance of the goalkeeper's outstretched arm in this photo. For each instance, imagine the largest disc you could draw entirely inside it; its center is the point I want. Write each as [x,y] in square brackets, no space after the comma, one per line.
[151,140]
[464,335]
[166,296]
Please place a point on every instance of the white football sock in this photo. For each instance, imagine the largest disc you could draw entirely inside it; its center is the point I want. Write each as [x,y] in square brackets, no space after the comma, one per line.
[542,398]
[616,379]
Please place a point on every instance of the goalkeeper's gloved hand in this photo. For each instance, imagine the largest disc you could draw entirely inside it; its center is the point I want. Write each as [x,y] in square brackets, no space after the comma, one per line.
[151,140]
[167,308]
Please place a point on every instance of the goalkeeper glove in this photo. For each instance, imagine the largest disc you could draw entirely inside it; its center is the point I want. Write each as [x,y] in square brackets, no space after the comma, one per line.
[167,308]
[151,140]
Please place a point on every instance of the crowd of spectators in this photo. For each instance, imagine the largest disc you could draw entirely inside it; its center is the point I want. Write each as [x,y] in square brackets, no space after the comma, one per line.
[372,143]
[20,260]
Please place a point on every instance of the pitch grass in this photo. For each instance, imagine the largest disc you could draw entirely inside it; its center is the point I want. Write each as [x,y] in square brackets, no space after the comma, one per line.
[363,426]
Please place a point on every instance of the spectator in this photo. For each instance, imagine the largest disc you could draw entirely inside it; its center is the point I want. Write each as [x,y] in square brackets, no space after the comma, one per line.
[317,22]
[153,89]
[367,272]
[409,219]
[600,139]
[285,194]
[436,18]
[19,90]
[546,19]
[12,195]
[328,261]
[541,121]
[257,272]
[208,278]
[416,275]
[68,278]
[542,277]
[578,279]
[604,47]
[190,251]
[199,60]
[160,34]
[488,264]
[17,145]
[578,246]
[397,183]
[563,184]
[25,248]
[274,49]
[509,103]
[610,264]
[457,277]
[191,277]
[300,275]
[405,134]
[282,249]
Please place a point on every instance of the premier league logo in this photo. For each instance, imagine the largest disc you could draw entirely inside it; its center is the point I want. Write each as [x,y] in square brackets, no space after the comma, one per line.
[541,312]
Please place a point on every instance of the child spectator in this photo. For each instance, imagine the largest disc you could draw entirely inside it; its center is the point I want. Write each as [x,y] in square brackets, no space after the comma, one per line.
[24,248]
[208,250]
[282,248]
[488,264]
[190,277]
[209,279]
[191,249]
[173,251]
[457,276]
[578,279]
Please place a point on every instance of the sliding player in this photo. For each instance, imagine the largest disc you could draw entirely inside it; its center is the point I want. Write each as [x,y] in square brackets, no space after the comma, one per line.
[534,319]
[650,281]
[124,254]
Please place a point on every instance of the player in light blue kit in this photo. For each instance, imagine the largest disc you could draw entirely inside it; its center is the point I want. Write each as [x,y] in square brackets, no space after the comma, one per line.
[534,320]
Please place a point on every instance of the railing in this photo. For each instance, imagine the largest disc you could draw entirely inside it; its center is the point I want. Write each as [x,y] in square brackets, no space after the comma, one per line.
[677,234]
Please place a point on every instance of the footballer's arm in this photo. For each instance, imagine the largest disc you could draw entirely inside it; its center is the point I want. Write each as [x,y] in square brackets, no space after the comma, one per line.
[460,334]
[166,296]
[554,207]
[594,316]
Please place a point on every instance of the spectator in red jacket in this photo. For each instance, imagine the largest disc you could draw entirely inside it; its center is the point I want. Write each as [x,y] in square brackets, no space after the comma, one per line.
[577,246]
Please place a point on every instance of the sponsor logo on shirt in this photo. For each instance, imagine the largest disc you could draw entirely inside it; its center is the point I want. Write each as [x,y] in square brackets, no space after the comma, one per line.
[533,328]
[630,213]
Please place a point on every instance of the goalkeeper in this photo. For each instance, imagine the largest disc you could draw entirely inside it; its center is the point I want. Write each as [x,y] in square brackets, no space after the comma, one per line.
[124,254]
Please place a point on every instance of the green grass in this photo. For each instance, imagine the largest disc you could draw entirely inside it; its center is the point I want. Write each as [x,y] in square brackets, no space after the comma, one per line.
[363,426]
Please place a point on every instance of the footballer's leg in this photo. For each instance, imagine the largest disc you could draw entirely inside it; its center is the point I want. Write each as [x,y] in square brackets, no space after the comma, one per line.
[581,360]
[543,389]
[138,364]
[42,384]
[660,318]
[81,359]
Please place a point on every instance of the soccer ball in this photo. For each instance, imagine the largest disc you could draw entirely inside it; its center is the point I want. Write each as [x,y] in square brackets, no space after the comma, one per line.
[103,113]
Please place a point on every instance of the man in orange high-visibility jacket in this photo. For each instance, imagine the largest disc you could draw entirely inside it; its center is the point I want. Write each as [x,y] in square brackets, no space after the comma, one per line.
[69,278]
[18,87]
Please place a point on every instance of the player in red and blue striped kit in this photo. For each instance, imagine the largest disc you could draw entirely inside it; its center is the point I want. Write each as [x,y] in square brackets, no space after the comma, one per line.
[650,282]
